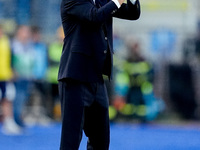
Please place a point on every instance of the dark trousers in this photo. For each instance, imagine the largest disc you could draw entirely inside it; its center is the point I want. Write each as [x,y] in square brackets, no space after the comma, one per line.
[84,107]
[3,89]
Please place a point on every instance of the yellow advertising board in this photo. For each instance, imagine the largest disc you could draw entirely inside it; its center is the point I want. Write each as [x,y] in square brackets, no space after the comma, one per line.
[164,5]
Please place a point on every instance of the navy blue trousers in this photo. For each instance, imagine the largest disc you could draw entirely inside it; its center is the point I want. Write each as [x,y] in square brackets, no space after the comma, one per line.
[84,107]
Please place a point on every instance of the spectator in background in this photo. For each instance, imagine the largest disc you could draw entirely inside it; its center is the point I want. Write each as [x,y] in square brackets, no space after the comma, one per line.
[39,101]
[23,58]
[140,74]
[197,42]
[9,125]
[54,54]
[40,57]
[137,74]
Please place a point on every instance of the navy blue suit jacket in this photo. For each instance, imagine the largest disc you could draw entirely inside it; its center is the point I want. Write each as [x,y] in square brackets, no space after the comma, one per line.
[88,37]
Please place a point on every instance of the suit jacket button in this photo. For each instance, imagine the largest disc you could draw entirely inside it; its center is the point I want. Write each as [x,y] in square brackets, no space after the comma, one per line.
[106,38]
[113,11]
[105,51]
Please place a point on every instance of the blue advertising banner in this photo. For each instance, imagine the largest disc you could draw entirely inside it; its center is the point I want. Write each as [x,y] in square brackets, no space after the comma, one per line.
[162,42]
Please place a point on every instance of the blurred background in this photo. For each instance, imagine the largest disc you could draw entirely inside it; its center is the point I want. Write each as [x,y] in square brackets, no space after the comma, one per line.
[156,66]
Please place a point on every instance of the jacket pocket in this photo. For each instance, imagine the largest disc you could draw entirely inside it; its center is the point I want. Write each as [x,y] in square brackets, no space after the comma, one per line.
[81,49]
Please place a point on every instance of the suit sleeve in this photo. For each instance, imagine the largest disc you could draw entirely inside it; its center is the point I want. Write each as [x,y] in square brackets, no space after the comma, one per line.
[84,10]
[128,11]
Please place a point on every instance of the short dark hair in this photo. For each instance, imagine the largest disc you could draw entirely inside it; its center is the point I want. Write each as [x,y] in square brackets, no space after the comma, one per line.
[35,29]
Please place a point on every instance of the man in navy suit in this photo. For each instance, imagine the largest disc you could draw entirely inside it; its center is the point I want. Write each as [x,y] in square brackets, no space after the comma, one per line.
[87,55]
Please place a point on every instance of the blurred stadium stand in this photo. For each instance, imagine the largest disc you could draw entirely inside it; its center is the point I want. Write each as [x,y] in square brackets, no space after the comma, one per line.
[45,14]
[162,30]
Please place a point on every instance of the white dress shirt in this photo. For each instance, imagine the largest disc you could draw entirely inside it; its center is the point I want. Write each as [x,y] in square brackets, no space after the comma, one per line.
[118,4]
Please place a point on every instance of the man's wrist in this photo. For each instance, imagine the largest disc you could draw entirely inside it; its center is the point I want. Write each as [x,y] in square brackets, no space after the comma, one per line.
[117,3]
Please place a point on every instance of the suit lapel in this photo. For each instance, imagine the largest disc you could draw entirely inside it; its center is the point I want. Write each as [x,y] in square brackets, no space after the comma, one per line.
[92,1]
[100,3]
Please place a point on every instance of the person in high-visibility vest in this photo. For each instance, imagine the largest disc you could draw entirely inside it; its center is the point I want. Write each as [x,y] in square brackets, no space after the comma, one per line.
[134,81]
[54,54]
